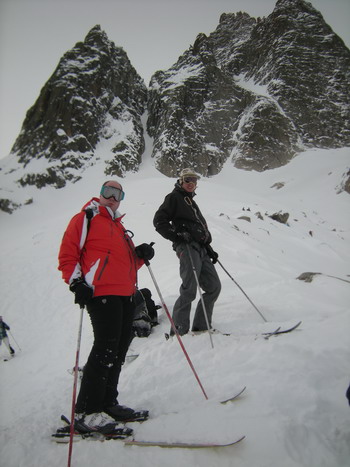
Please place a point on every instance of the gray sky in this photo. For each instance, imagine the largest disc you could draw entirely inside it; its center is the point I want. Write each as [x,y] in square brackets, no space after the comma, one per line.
[34,34]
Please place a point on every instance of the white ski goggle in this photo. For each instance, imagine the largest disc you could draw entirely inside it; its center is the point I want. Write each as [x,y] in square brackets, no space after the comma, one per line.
[112,192]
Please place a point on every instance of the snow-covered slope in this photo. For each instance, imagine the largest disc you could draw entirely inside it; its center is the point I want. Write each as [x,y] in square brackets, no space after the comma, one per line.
[294,412]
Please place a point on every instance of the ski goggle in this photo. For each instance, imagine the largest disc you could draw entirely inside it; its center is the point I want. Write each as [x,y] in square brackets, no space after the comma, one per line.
[112,192]
[190,180]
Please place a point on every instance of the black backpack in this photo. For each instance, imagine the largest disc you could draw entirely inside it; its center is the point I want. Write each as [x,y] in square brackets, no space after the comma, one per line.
[145,314]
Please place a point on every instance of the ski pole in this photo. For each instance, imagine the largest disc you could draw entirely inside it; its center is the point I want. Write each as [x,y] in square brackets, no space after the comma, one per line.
[174,328]
[229,275]
[201,295]
[75,387]
[19,348]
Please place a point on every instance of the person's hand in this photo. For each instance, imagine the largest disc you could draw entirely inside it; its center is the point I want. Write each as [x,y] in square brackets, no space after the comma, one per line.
[184,237]
[145,251]
[212,254]
[83,292]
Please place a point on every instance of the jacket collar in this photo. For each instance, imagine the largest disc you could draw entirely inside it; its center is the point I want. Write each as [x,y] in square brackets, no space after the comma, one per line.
[95,205]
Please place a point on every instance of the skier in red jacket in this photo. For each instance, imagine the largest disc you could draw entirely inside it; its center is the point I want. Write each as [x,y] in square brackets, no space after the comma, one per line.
[99,261]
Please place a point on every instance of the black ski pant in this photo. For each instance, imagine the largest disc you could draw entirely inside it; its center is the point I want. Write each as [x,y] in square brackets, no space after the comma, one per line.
[209,282]
[111,318]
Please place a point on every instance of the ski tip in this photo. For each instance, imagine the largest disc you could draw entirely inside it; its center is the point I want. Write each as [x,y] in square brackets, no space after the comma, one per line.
[230,399]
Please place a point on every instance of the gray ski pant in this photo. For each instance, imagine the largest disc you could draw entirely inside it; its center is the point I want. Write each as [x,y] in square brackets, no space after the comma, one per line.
[209,282]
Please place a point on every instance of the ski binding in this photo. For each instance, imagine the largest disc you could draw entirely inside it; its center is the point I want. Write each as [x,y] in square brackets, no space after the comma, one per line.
[62,434]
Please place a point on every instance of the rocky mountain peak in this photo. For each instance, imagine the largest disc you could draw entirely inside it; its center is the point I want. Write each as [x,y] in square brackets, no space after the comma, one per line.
[93,85]
[97,38]
[256,90]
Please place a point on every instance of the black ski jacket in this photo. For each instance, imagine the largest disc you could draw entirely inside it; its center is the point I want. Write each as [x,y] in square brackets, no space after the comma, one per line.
[179,213]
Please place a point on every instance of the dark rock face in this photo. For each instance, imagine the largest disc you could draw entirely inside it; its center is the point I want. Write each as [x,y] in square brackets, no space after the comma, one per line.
[194,109]
[307,70]
[93,85]
[257,91]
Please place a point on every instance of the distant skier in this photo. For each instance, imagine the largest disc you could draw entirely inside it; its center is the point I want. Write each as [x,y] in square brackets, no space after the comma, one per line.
[4,337]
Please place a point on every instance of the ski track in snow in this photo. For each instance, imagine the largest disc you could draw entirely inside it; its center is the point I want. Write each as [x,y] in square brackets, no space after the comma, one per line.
[294,411]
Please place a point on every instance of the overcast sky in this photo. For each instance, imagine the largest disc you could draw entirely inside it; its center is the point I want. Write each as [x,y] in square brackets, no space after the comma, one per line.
[34,34]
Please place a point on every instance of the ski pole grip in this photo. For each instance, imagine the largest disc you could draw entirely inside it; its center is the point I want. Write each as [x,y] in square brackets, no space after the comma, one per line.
[146,261]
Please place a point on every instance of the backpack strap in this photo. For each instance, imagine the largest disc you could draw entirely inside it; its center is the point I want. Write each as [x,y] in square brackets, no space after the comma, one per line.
[89,215]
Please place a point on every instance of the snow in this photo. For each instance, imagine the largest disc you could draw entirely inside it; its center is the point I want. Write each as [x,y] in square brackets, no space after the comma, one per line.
[250,85]
[176,78]
[294,411]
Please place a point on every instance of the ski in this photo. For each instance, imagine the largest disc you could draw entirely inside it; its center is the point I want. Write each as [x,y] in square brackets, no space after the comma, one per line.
[231,399]
[272,333]
[64,438]
[267,335]
[278,331]
[183,445]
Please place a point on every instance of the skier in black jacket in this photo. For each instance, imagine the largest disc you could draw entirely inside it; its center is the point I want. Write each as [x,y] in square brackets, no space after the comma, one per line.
[180,220]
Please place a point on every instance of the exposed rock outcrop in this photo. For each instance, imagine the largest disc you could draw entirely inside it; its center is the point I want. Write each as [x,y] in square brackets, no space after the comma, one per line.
[93,93]
[257,91]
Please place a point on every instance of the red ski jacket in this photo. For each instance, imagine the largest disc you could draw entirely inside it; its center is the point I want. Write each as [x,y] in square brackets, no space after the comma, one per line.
[103,254]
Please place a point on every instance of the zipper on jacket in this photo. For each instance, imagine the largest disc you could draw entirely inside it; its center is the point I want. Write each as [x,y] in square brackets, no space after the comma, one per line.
[197,216]
[103,266]
[132,254]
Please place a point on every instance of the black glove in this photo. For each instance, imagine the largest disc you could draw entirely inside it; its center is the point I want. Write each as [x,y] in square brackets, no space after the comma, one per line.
[145,251]
[83,292]
[212,254]
[184,237]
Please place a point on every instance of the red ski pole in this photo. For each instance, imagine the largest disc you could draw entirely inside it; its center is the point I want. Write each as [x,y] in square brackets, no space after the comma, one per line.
[175,330]
[72,417]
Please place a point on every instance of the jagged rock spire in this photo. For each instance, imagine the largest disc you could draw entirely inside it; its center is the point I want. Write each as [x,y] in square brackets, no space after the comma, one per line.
[93,84]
